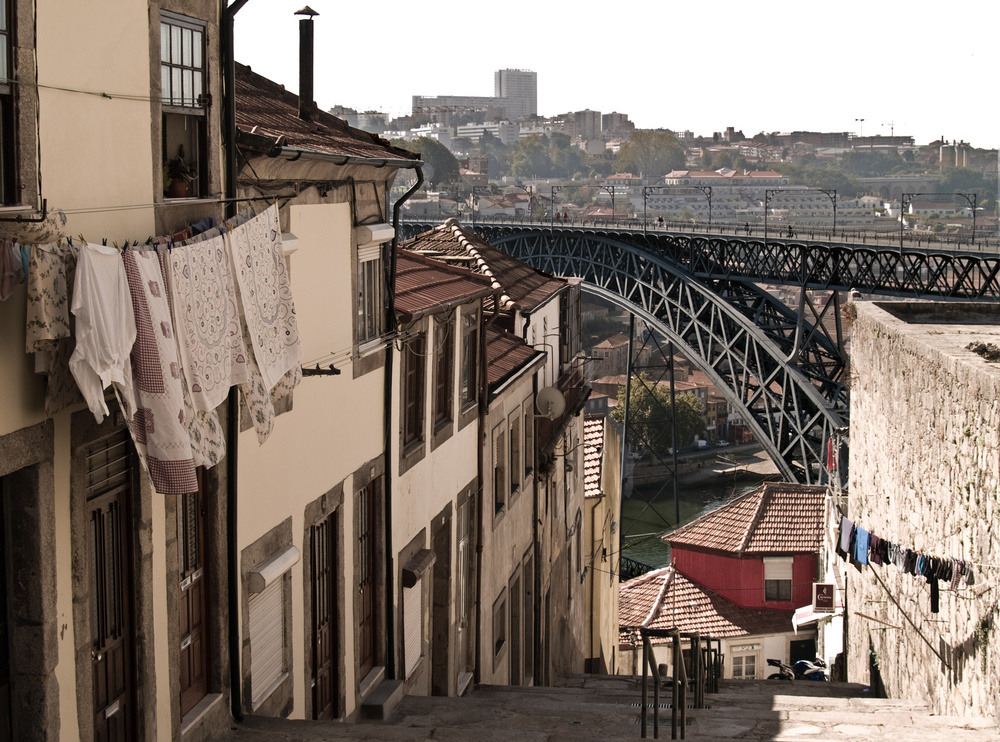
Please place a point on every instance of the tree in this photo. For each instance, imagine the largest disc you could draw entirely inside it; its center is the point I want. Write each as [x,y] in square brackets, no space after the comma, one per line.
[443,167]
[530,158]
[650,154]
[649,415]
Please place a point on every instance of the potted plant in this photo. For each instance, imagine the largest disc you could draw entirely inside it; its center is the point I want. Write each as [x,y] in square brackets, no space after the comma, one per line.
[177,175]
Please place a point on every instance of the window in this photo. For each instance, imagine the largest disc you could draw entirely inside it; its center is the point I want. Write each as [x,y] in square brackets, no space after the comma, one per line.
[370,293]
[777,578]
[499,469]
[8,172]
[744,667]
[183,100]
[516,472]
[470,358]
[442,372]
[499,624]
[413,624]
[529,439]
[413,391]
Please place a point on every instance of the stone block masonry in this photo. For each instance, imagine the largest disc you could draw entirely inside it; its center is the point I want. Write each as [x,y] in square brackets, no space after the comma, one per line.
[925,473]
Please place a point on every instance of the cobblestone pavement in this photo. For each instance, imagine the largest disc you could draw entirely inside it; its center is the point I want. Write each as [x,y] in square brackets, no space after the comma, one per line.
[592,708]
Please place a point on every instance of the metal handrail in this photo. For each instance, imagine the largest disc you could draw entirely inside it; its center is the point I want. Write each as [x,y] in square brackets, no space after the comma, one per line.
[706,669]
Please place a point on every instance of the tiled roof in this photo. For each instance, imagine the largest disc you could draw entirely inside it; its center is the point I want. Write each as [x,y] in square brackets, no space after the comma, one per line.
[593,454]
[615,341]
[776,517]
[506,354]
[665,598]
[522,286]
[265,108]
[424,285]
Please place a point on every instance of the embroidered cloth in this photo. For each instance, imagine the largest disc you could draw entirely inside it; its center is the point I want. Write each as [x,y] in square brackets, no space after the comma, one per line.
[158,426]
[48,298]
[266,295]
[204,301]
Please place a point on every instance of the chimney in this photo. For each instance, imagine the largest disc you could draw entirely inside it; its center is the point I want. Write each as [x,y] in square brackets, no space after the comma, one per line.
[307,106]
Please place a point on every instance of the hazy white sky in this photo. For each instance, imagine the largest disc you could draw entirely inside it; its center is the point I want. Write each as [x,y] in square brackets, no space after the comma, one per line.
[918,68]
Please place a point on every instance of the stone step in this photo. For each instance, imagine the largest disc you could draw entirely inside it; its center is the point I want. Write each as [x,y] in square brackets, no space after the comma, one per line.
[380,702]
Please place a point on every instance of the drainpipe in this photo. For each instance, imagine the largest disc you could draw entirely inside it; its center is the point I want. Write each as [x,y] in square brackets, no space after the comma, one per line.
[227,59]
[387,432]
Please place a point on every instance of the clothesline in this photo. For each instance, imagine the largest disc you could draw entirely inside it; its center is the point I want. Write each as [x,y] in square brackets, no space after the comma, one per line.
[172,330]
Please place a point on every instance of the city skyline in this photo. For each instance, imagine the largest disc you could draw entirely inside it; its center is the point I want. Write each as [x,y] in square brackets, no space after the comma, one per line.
[847,69]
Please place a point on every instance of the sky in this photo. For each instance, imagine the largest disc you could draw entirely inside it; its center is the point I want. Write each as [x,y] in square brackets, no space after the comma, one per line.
[927,70]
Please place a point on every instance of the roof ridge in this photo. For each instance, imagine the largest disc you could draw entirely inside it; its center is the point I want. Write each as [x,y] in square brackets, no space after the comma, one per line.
[654,612]
[758,515]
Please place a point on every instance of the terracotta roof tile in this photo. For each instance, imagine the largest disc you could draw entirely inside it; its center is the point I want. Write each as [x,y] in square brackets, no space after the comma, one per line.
[506,355]
[593,454]
[424,285]
[776,517]
[522,286]
[665,598]
[264,107]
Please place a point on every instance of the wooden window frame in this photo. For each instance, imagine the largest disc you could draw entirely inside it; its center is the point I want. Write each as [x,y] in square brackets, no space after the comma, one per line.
[470,359]
[443,366]
[414,378]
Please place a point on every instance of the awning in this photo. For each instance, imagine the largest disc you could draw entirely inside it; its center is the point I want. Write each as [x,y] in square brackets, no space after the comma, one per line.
[807,614]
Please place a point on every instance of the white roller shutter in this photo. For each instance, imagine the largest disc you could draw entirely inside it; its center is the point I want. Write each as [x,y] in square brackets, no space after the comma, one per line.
[267,640]
[413,602]
[778,568]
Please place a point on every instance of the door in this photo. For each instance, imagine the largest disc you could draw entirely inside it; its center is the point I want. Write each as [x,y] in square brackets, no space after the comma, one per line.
[366,579]
[515,630]
[193,600]
[6,733]
[324,590]
[111,600]
[463,595]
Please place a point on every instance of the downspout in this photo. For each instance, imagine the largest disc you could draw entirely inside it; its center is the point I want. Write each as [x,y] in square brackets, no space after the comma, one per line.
[536,617]
[390,282]
[484,388]
[228,60]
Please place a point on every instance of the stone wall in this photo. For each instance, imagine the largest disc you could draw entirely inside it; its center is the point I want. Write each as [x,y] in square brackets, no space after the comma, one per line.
[925,472]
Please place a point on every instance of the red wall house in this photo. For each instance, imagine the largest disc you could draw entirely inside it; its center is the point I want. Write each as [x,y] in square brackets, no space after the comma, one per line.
[733,550]
[740,578]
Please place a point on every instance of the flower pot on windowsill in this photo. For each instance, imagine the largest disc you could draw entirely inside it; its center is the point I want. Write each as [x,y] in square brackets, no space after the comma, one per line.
[178,188]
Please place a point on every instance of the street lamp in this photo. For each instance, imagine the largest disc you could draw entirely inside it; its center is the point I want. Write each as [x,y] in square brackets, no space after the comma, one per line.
[611,190]
[970,198]
[552,206]
[474,205]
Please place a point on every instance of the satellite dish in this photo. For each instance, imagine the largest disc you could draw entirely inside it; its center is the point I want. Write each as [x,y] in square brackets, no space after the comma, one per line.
[550,403]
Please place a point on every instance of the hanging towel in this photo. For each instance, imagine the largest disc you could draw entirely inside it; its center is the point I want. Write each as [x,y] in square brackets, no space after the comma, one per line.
[105,329]
[158,426]
[844,542]
[204,300]
[861,546]
[266,295]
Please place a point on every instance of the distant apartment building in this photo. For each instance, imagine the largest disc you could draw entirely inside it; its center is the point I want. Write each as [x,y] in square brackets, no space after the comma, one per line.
[519,88]
[516,96]
[582,124]
[615,121]
[505,131]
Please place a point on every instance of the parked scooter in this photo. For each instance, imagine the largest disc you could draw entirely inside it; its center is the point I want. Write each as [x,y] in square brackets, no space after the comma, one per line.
[814,670]
[785,672]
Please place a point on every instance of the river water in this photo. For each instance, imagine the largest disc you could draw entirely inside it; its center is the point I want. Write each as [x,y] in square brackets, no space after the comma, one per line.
[650,511]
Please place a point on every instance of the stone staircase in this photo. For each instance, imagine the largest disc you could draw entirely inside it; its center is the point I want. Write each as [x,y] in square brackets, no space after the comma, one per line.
[590,708]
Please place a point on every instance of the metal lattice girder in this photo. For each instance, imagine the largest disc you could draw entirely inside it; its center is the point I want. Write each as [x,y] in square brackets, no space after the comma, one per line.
[785,409]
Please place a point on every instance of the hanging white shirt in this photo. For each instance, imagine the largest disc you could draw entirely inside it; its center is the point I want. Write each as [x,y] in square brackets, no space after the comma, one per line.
[105,328]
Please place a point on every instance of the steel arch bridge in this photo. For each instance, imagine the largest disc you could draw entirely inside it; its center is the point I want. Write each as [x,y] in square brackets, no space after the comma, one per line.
[781,368]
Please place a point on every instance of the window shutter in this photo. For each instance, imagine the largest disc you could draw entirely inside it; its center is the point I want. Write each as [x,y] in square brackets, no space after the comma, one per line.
[412,624]
[777,568]
[267,640]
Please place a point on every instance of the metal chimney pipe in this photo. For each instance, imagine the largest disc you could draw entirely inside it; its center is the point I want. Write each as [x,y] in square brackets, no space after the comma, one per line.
[306,104]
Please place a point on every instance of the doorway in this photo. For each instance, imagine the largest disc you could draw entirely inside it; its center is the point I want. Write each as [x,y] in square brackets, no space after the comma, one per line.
[325,686]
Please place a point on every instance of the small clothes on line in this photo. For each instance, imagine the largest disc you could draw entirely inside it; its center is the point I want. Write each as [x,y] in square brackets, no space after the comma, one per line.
[105,328]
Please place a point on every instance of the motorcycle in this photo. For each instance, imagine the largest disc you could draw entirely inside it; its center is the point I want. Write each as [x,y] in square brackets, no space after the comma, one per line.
[785,672]
[811,670]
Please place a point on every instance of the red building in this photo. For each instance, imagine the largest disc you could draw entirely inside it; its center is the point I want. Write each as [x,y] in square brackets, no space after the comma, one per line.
[758,551]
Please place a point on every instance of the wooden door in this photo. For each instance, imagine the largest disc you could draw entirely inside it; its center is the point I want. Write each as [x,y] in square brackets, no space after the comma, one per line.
[366,580]
[111,620]
[324,591]
[463,597]
[192,601]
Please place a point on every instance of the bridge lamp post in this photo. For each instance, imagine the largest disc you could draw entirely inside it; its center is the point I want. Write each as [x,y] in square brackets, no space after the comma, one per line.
[552,206]
[831,193]
[610,190]
[972,199]
[767,205]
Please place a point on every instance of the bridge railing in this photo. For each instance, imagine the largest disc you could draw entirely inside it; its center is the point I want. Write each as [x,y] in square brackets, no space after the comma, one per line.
[988,242]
